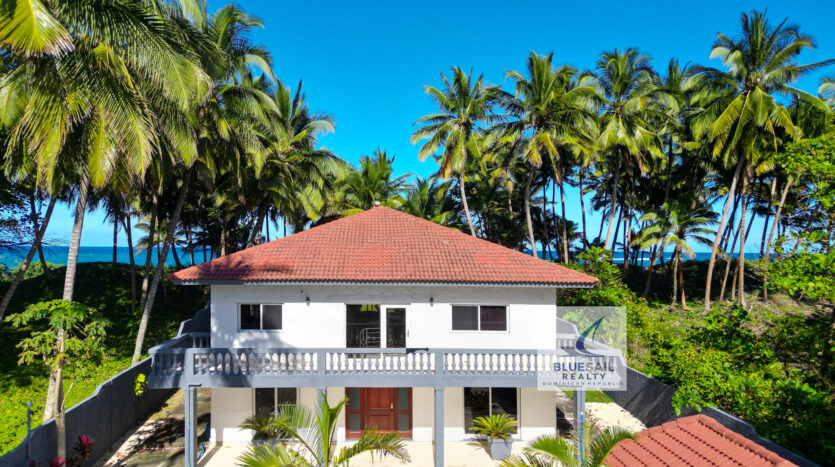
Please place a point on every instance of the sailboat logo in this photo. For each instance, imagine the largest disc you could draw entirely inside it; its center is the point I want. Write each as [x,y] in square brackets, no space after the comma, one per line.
[580,345]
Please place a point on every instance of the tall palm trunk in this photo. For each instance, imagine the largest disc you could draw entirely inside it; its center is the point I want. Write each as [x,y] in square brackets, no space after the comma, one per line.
[115,243]
[464,201]
[152,291]
[675,275]
[728,202]
[21,270]
[528,214]
[129,235]
[681,279]
[55,391]
[652,256]
[259,223]
[190,245]
[583,208]
[771,196]
[39,244]
[176,256]
[152,235]
[732,236]
[777,215]
[564,226]
[613,208]
[627,232]
[546,245]
[741,260]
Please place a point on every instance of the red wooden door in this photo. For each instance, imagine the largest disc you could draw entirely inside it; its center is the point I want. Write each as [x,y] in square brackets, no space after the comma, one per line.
[378,409]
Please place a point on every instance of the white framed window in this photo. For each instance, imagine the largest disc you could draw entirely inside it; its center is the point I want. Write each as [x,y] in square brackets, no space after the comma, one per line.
[489,401]
[479,318]
[260,316]
[268,400]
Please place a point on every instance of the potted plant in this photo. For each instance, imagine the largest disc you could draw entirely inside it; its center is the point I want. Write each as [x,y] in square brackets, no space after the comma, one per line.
[266,429]
[497,428]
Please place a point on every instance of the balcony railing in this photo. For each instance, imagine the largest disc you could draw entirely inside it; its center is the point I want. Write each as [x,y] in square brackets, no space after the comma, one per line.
[185,360]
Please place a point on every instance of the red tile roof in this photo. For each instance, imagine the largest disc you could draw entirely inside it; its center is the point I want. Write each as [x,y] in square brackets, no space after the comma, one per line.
[697,440]
[383,245]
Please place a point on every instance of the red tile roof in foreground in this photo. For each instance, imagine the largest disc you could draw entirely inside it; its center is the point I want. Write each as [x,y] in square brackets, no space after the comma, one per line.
[382,245]
[697,440]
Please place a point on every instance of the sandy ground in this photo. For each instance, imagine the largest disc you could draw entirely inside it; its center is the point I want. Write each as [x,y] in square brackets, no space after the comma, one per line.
[612,415]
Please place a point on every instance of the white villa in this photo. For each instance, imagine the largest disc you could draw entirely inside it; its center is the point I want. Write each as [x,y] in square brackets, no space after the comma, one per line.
[422,327]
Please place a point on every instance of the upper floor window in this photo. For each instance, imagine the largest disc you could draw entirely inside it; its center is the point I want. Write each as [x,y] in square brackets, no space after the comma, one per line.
[259,316]
[479,318]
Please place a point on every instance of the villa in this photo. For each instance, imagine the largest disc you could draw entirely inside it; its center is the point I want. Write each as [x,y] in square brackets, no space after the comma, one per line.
[422,327]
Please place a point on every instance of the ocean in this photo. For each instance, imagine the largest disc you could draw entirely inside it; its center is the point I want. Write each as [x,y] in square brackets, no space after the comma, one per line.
[90,254]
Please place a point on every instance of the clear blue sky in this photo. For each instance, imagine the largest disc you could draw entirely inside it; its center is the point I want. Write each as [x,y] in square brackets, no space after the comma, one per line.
[366,62]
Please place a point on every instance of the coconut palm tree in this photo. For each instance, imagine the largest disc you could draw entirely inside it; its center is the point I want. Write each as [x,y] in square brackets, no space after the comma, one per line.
[429,199]
[740,116]
[679,222]
[631,90]
[310,437]
[587,450]
[465,110]
[556,111]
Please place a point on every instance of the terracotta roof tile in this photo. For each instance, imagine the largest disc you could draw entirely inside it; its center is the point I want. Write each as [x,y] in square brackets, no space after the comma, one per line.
[386,246]
[692,441]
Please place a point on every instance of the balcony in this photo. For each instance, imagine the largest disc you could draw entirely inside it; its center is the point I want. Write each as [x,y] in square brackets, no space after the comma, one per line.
[186,361]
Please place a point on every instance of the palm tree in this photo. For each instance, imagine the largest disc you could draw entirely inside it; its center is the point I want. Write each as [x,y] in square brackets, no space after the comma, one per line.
[311,436]
[556,107]
[740,115]
[465,107]
[679,222]
[429,199]
[586,448]
[630,87]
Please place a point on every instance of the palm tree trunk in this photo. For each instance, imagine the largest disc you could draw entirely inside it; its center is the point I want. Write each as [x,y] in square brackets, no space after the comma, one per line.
[115,243]
[613,208]
[169,240]
[222,236]
[564,226]
[152,235]
[55,388]
[190,246]
[176,256]
[741,260]
[39,243]
[776,221]
[21,271]
[675,275]
[771,196]
[681,280]
[129,235]
[617,228]
[268,225]
[728,202]
[546,245]
[259,223]
[583,208]
[627,232]
[528,214]
[464,201]
[58,398]
[649,270]
[729,259]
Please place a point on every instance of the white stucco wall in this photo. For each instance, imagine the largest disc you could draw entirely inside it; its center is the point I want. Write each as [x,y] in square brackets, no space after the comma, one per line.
[537,413]
[321,323]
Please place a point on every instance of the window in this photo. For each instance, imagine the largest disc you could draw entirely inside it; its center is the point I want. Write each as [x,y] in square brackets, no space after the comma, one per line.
[362,326]
[479,318]
[268,400]
[489,401]
[260,316]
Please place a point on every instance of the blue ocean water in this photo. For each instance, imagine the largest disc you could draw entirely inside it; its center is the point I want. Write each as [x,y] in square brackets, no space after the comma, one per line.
[90,254]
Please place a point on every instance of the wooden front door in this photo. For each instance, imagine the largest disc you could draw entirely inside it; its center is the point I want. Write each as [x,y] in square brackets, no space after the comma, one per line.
[386,409]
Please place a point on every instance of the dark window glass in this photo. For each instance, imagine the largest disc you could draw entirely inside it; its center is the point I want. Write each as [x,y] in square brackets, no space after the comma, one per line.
[250,317]
[402,399]
[354,422]
[354,398]
[285,396]
[464,318]
[271,316]
[402,422]
[493,318]
[264,401]
[476,404]
[504,401]
[362,326]
[395,327]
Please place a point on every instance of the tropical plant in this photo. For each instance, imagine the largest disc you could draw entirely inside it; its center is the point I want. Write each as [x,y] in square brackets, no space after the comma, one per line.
[496,426]
[587,448]
[465,107]
[311,436]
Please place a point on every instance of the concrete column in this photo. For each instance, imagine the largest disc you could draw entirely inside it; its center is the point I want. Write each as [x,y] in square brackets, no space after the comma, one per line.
[580,417]
[439,427]
[190,404]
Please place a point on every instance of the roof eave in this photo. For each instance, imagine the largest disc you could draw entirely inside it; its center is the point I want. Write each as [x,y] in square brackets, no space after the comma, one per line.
[562,285]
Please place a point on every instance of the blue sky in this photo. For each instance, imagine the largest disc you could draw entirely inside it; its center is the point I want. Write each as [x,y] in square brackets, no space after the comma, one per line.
[366,62]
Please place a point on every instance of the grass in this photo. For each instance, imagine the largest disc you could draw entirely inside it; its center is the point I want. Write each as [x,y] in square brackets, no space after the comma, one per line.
[591,396]
[100,287]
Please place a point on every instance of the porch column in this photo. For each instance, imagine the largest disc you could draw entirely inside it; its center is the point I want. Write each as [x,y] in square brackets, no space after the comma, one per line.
[579,408]
[190,404]
[438,432]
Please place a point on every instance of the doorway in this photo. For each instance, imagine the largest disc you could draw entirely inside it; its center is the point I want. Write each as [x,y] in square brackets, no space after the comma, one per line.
[388,410]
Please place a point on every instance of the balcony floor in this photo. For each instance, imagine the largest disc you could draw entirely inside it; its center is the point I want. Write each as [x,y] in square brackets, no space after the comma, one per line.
[459,454]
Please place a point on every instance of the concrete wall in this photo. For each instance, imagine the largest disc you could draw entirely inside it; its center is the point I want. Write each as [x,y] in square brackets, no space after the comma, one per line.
[105,416]
[537,413]
[650,401]
[321,323]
